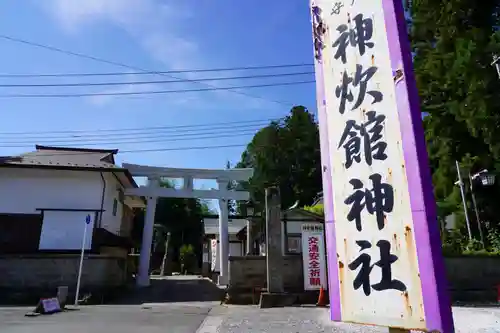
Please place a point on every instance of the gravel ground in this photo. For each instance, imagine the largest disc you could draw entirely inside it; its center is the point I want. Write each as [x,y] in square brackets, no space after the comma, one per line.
[239,319]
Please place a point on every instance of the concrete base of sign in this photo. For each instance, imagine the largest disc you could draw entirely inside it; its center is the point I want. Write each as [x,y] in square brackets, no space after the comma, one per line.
[276,300]
[398,330]
[62,295]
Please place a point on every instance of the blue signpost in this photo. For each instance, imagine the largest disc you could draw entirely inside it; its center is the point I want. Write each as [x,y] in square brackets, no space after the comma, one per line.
[87,222]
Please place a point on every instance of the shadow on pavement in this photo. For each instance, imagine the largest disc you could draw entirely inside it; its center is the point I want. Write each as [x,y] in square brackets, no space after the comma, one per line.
[172,289]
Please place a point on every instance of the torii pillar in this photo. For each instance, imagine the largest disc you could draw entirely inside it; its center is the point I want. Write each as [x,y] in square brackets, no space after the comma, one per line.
[223,278]
[147,236]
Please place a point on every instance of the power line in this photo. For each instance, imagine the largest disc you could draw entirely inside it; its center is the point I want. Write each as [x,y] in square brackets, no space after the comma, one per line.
[115,63]
[179,71]
[132,139]
[92,84]
[139,135]
[152,92]
[147,128]
[148,150]
[119,142]
[114,138]
[183,148]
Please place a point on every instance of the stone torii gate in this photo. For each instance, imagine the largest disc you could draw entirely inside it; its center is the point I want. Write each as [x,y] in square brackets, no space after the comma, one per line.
[152,191]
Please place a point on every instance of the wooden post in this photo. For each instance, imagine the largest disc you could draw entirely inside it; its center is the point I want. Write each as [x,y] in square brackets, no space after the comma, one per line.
[274,255]
[249,248]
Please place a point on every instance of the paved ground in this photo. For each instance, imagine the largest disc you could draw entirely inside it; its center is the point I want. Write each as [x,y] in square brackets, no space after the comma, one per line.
[169,308]
[209,317]
[180,288]
[108,318]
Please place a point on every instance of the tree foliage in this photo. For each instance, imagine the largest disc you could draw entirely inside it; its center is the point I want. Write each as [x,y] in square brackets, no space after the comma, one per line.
[453,43]
[318,209]
[285,154]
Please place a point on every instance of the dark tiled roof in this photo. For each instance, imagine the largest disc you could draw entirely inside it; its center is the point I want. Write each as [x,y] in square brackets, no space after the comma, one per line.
[64,157]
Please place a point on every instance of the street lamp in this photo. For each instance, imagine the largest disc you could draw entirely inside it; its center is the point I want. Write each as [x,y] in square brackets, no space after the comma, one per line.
[487,179]
[250,208]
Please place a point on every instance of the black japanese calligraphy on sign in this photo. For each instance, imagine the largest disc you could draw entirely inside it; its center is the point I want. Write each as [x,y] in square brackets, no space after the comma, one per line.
[314,262]
[378,200]
[364,138]
[359,37]
[318,32]
[360,79]
[336,8]
[386,260]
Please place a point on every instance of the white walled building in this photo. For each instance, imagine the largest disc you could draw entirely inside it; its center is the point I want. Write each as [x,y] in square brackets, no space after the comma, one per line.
[236,245]
[46,195]
[291,230]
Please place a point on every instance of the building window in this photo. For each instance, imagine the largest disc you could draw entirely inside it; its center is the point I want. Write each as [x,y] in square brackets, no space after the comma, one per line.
[294,244]
[115,206]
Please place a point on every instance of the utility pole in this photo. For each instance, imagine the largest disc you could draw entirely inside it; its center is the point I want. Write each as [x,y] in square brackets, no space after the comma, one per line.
[471,179]
[496,60]
[464,202]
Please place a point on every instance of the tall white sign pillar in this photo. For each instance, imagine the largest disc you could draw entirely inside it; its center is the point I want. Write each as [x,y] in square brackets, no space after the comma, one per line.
[147,237]
[223,236]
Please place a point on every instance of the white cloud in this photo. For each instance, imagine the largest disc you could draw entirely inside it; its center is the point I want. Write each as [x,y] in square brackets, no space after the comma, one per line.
[155,25]
[100,100]
[158,26]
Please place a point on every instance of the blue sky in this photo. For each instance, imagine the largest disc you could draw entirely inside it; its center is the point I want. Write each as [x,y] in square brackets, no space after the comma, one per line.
[155,35]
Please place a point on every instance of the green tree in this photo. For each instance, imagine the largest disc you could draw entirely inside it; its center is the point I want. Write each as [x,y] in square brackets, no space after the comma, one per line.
[206,209]
[285,154]
[187,258]
[318,209]
[453,42]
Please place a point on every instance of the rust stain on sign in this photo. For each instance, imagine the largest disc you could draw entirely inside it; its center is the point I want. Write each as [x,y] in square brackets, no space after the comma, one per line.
[407,303]
[342,283]
[410,247]
[398,75]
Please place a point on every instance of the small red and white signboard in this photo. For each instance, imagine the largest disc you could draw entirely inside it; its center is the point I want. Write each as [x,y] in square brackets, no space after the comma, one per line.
[213,251]
[313,256]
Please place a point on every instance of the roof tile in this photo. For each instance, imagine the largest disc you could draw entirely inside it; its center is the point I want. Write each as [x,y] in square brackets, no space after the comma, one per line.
[64,156]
